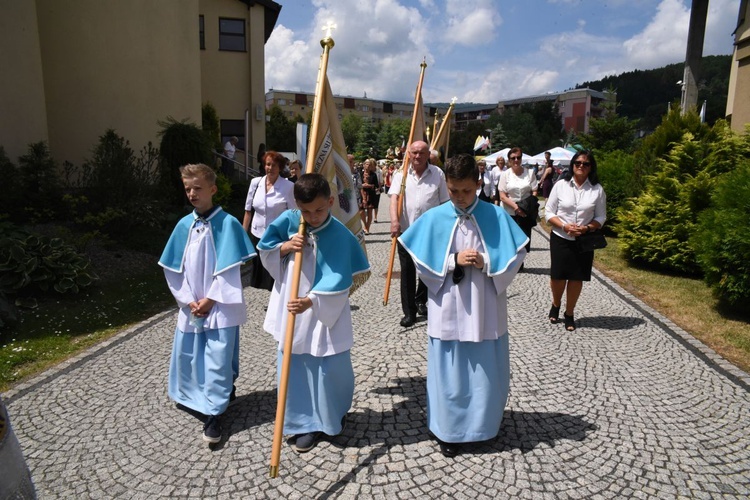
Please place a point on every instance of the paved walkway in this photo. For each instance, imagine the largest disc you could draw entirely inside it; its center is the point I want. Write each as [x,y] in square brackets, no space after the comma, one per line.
[627,406]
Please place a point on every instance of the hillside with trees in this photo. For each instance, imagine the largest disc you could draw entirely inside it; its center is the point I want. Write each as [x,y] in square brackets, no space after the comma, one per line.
[643,95]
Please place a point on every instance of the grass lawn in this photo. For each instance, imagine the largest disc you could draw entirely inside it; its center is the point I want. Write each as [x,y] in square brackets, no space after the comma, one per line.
[62,327]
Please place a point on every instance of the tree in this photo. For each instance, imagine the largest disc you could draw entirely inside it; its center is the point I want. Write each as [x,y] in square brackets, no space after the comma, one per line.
[392,133]
[610,132]
[181,143]
[367,141]
[211,126]
[280,131]
[350,126]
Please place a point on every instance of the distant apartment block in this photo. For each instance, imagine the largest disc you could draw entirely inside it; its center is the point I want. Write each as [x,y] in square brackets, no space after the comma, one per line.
[294,103]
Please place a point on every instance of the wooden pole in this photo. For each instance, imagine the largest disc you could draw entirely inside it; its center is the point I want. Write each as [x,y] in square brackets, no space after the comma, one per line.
[405,171]
[278,430]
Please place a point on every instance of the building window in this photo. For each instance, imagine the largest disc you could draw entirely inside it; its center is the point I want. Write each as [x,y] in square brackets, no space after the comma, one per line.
[232,34]
[365,108]
[281,102]
[349,103]
[233,128]
[300,99]
[202,32]
[387,107]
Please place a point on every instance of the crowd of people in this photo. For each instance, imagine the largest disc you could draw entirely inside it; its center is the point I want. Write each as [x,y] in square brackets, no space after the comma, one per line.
[462,232]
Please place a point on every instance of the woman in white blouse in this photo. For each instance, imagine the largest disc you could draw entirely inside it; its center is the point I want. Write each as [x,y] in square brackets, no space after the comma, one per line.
[577,205]
[267,198]
[515,184]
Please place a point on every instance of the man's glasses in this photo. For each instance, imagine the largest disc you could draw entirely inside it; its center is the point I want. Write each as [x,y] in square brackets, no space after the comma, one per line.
[582,164]
[514,158]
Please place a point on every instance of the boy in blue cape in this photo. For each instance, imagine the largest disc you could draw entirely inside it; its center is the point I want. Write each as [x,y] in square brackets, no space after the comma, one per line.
[201,262]
[466,252]
[321,377]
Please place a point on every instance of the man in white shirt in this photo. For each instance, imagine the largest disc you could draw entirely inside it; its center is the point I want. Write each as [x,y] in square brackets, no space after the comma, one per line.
[425,188]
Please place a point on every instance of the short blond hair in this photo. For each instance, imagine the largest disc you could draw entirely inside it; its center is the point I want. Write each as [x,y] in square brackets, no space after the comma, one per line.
[198,170]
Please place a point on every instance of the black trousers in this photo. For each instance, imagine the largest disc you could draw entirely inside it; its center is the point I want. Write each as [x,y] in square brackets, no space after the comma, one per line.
[411,292]
[521,221]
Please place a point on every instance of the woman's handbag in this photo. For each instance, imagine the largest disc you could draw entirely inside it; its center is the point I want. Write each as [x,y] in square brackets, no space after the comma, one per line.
[590,241]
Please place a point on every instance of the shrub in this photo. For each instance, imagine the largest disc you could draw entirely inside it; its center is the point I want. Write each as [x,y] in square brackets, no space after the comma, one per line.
[657,146]
[211,126]
[656,227]
[39,184]
[722,239]
[181,143]
[33,265]
[616,173]
[11,203]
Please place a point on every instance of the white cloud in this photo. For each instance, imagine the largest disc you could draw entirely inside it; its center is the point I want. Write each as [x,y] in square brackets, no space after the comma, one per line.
[470,22]
[380,43]
[664,40]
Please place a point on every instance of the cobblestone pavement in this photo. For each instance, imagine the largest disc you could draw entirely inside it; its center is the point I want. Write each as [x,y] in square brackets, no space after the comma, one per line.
[627,406]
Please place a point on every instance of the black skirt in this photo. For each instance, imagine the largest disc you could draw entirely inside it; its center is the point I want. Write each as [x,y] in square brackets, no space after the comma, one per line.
[259,277]
[567,262]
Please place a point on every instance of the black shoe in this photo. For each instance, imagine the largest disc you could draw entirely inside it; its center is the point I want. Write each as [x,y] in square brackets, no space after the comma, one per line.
[212,429]
[449,450]
[306,442]
[422,310]
[570,323]
[343,424]
[408,321]
[554,314]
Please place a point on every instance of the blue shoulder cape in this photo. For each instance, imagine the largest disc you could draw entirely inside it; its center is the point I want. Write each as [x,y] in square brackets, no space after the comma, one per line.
[339,256]
[231,243]
[428,240]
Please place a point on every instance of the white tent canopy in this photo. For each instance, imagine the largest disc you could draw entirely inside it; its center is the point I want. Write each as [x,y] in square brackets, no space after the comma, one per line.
[491,159]
[557,155]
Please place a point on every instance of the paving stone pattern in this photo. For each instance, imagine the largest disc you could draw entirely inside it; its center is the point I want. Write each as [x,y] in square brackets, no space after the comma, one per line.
[627,406]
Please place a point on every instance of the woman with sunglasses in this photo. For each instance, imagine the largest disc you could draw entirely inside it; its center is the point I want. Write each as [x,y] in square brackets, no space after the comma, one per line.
[577,205]
[515,184]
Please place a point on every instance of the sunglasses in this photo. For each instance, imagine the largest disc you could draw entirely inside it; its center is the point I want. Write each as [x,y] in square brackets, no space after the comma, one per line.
[514,158]
[582,163]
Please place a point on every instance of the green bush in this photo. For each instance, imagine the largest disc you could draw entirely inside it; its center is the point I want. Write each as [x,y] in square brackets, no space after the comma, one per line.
[181,143]
[722,239]
[39,184]
[657,146]
[11,203]
[211,126]
[655,228]
[31,265]
[616,173]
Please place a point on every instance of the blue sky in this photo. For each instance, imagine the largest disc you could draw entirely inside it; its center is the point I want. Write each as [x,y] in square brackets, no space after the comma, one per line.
[482,50]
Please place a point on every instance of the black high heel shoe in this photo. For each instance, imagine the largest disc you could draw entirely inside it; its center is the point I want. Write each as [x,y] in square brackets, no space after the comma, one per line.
[570,323]
[554,314]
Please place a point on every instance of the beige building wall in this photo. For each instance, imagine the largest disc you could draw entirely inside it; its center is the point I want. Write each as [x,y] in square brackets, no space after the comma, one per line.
[227,80]
[738,99]
[117,64]
[23,117]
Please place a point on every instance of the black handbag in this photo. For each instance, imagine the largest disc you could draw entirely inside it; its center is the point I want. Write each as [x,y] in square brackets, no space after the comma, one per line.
[590,241]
